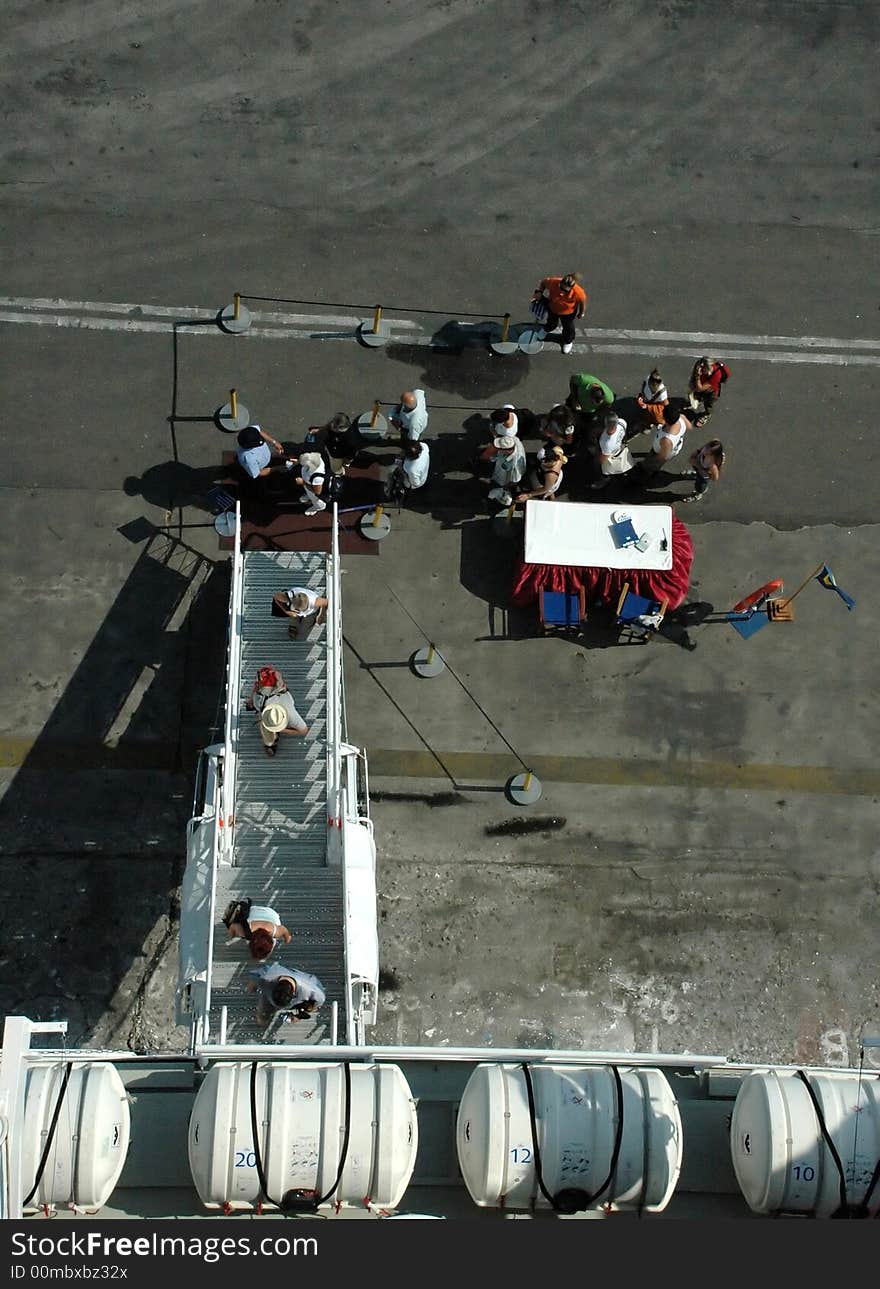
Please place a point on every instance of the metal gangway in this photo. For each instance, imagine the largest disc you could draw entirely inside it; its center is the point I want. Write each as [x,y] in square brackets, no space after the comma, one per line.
[290,831]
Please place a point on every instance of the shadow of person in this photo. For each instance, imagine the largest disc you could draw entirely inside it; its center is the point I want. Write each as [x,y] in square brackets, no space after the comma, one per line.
[628,407]
[173,484]
[487,561]
[460,361]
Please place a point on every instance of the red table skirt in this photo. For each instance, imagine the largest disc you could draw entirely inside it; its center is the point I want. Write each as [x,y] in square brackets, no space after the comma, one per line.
[607,583]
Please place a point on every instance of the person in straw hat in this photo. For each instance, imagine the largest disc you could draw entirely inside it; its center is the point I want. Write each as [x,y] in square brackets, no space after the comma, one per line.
[276,710]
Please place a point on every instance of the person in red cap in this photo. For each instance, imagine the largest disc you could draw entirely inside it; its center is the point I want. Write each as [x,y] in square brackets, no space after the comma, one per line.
[566,301]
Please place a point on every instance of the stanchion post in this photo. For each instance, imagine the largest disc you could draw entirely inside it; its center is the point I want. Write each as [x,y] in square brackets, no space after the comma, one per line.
[372,424]
[504,345]
[234,317]
[232,416]
[374,524]
[377,334]
[427,663]
[524,789]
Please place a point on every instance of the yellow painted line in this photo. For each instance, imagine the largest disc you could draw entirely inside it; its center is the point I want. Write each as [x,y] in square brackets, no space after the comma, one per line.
[488,767]
[481,767]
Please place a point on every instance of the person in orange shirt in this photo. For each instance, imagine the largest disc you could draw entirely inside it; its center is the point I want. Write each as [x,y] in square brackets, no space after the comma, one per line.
[566,300]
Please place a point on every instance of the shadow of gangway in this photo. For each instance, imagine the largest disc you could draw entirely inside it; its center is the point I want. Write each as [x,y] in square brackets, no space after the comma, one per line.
[93,822]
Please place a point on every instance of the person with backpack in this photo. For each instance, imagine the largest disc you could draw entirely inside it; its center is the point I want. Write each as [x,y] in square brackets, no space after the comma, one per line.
[409,471]
[704,387]
[298,994]
[274,705]
[258,924]
[706,465]
[299,603]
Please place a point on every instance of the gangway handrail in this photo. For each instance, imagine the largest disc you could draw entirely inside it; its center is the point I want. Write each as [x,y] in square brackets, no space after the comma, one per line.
[233,666]
[335,802]
[209,973]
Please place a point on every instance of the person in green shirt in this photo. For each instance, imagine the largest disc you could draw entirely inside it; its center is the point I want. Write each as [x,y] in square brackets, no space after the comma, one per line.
[589,398]
[588,394]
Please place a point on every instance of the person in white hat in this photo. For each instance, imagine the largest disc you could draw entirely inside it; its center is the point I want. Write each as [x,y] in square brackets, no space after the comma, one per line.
[509,465]
[275,707]
[279,716]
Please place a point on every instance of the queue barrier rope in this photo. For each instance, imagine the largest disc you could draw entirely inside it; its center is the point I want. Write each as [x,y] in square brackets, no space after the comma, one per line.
[459,680]
[366,308]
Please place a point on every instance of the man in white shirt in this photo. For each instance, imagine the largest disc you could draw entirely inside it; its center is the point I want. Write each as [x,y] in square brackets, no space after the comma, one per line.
[410,417]
[410,471]
[614,455]
[299,603]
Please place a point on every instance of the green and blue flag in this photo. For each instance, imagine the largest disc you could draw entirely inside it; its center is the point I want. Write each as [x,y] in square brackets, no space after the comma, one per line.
[826,578]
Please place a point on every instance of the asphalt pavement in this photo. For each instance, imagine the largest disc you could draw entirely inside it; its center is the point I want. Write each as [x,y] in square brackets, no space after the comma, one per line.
[701,871]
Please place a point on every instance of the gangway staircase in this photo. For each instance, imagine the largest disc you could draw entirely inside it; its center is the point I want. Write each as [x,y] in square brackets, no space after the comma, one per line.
[291,831]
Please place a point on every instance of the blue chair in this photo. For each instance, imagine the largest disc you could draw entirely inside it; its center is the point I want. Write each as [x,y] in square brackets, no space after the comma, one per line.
[631,608]
[561,611]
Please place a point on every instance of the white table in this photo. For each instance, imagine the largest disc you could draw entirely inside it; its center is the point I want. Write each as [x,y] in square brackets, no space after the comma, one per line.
[579,533]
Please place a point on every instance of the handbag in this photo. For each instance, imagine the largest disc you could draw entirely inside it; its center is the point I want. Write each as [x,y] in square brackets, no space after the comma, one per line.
[538,310]
[622,463]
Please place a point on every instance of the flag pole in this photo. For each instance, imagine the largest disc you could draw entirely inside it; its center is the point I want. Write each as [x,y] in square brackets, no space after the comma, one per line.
[815,573]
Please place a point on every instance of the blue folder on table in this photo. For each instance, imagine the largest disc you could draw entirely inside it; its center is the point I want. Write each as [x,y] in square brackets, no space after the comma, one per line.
[624,534]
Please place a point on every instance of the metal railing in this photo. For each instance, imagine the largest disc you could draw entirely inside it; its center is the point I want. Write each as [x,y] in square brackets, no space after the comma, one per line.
[336,811]
[233,684]
[204,1020]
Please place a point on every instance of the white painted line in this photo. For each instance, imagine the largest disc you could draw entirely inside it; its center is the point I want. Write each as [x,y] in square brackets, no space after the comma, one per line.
[312,327]
[87,323]
[703,338]
[755,355]
[135,311]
